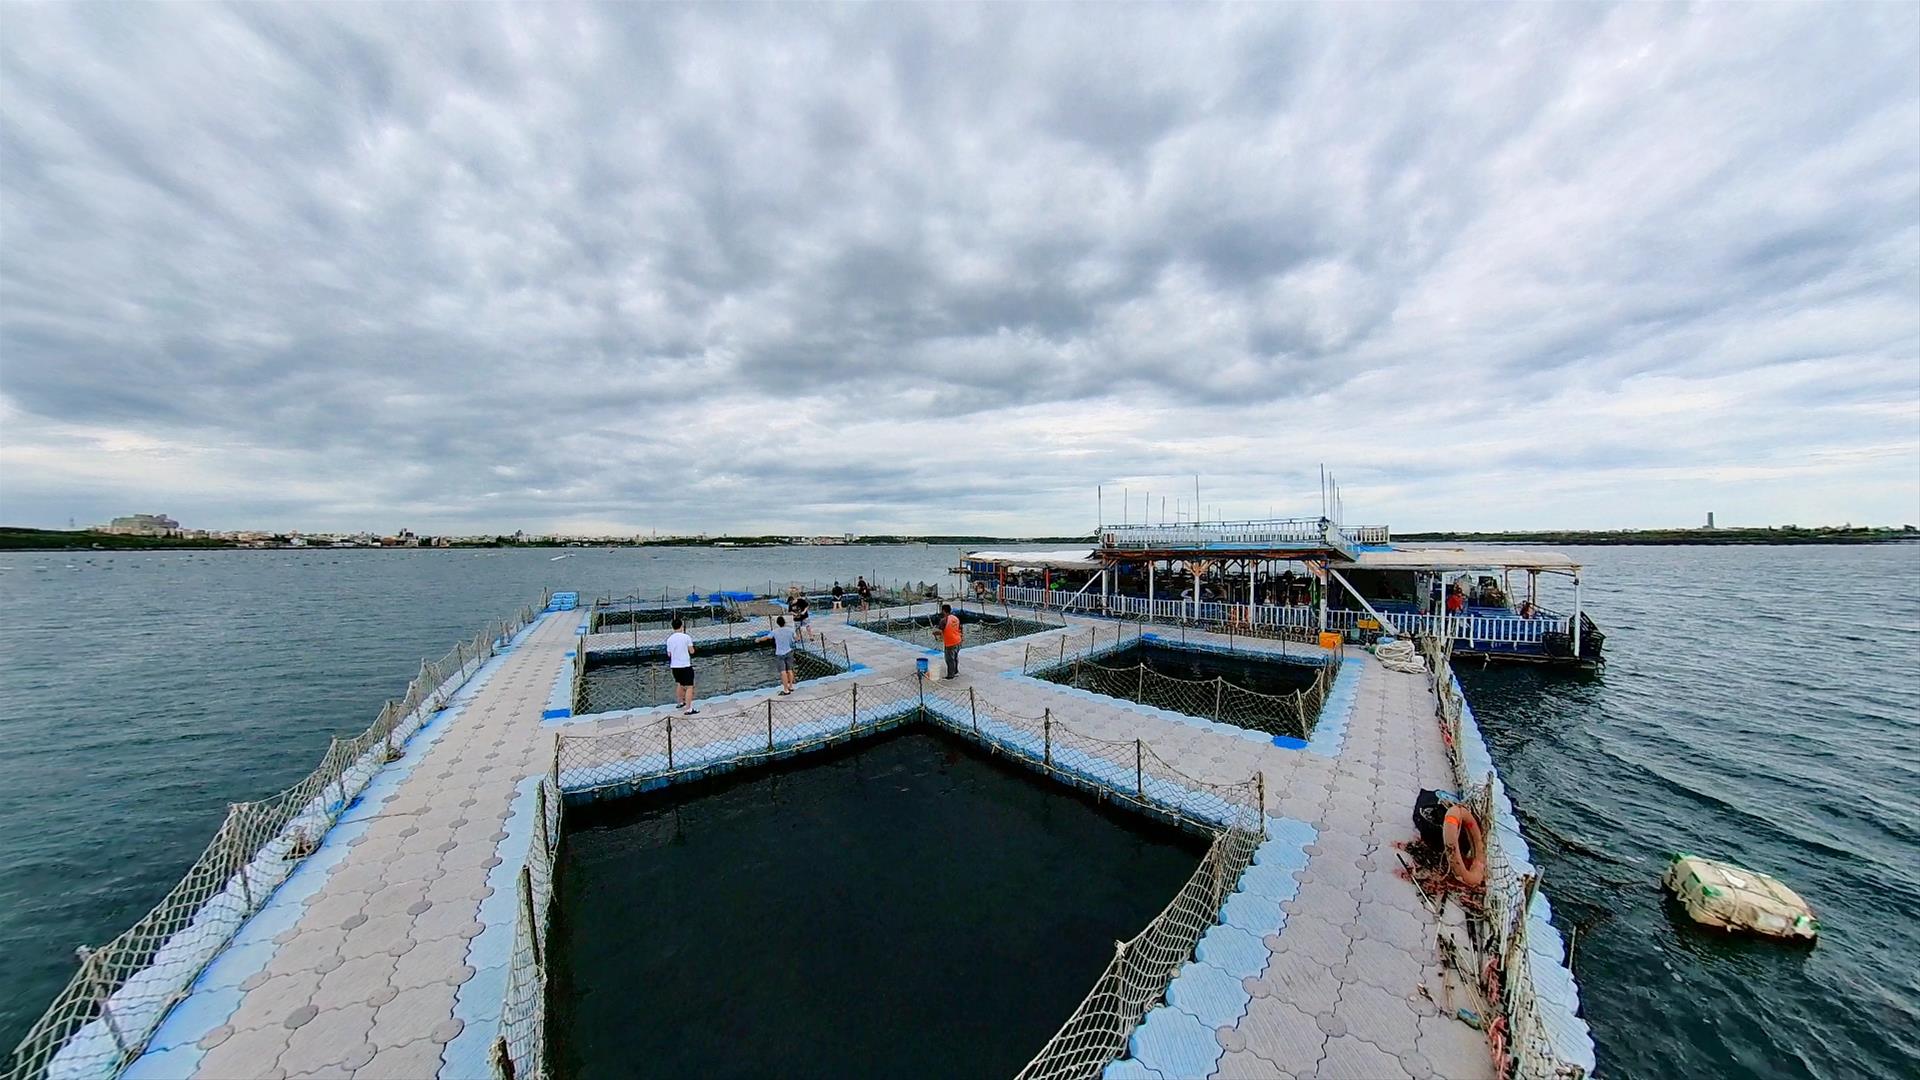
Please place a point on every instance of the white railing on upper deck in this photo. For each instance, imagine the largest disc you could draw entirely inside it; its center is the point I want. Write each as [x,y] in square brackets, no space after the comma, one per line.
[1290,532]
[1466,631]
[1294,532]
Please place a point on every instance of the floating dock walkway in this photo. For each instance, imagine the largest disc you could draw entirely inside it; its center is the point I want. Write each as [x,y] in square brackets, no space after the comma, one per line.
[389,951]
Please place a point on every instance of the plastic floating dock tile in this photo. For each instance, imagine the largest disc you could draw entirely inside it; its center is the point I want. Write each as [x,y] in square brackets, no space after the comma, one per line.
[1257,915]
[1234,951]
[1214,997]
[1173,1043]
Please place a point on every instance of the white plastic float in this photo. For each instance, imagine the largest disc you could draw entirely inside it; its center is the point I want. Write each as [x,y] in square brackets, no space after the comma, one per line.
[1723,895]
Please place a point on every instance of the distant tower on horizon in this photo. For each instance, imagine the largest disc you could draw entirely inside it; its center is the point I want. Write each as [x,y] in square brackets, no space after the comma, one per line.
[1709,519]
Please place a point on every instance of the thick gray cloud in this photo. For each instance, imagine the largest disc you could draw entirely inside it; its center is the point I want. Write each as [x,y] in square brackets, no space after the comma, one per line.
[946,268]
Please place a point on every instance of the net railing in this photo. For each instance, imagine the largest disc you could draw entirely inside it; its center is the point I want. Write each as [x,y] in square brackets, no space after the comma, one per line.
[654,754]
[1082,643]
[1291,714]
[101,1021]
[519,1051]
[670,747]
[978,627]
[654,635]
[643,685]
[622,615]
[1521,1039]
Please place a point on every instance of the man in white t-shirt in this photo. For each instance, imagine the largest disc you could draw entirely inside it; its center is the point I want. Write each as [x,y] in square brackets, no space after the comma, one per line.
[680,661]
[783,652]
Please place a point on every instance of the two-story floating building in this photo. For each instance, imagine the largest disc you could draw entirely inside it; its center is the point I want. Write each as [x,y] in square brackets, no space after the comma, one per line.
[1307,576]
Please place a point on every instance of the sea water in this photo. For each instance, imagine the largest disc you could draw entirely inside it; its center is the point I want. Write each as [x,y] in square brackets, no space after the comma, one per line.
[1759,704]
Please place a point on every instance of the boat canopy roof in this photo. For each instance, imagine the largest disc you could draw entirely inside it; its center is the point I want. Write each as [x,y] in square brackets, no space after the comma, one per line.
[1446,559]
[1070,559]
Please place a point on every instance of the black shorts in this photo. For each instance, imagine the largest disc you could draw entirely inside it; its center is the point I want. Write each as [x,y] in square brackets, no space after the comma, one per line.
[800,619]
[683,676]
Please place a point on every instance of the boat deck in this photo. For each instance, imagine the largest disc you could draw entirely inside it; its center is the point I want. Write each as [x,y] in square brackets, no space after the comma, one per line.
[387,955]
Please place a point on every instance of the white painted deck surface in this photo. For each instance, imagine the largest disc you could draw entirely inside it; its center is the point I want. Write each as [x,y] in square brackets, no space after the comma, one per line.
[382,973]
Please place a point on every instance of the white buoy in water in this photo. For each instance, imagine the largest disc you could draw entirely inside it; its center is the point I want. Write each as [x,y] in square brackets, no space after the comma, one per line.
[1727,896]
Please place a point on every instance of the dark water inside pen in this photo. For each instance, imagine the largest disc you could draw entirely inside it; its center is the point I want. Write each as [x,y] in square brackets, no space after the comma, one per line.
[1760,704]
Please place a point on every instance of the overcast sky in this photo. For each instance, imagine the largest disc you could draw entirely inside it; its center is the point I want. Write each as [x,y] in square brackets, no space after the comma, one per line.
[945,268]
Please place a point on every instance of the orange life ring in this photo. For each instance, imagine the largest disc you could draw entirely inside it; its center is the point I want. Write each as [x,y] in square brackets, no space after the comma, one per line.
[1466,847]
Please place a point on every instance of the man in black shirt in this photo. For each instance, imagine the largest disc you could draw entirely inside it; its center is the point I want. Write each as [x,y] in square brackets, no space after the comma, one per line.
[799,609]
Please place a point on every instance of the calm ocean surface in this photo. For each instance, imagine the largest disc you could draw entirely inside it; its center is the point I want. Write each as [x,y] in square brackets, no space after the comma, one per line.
[1759,705]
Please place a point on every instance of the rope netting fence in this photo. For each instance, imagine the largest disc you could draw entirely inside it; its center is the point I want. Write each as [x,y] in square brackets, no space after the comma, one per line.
[642,683]
[978,627]
[101,1021]
[520,1049]
[1083,643]
[1291,714]
[609,615]
[654,754]
[1520,1037]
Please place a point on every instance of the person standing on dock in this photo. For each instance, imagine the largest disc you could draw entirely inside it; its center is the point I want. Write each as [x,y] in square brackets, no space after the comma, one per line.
[680,661]
[799,608]
[839,596]
[783,652]
[866,592]
[949,624]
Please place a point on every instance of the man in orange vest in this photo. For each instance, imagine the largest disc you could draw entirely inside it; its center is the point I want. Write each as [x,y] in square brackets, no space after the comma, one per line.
[949,626]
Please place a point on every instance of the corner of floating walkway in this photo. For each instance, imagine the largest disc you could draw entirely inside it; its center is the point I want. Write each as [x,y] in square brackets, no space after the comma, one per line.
[1208,994]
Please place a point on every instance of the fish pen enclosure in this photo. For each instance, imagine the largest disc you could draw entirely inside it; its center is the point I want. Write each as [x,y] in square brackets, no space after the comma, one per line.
[977,628]
[609,680]
[790,981]
[1262,691]
[905,905]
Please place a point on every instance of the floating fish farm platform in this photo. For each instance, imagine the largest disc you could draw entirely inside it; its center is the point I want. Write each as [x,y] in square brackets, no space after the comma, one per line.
[401,931]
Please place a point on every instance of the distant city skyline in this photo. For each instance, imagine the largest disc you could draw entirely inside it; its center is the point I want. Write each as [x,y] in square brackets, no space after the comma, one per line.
[944,269]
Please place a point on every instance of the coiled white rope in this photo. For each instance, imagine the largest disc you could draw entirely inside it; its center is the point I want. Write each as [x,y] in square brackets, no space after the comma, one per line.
[1399,655]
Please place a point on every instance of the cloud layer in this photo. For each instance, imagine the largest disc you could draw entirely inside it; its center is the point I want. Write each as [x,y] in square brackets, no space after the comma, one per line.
[945,268]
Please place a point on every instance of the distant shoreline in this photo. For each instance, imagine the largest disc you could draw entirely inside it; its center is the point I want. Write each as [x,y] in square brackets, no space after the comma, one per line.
[1787,536]
[18,539]
[21,539]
